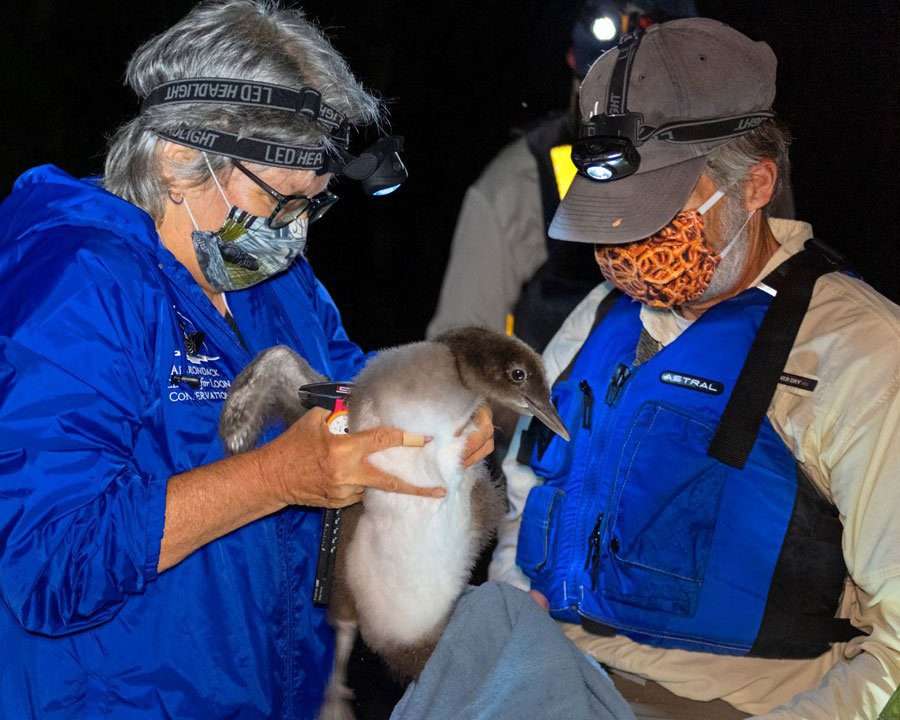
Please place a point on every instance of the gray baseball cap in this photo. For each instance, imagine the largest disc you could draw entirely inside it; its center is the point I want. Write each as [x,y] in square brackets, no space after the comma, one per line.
[683,75]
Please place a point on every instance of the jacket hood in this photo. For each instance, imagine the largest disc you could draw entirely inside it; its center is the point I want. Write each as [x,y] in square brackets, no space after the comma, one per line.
[47,196]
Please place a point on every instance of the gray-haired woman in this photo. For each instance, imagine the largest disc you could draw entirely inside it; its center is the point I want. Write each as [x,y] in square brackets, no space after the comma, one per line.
[143,575]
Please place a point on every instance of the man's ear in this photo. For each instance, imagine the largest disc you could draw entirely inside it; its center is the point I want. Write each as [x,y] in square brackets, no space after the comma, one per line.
[760,184]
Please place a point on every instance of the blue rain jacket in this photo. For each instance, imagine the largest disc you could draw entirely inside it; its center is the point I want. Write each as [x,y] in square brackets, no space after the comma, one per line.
[95,317]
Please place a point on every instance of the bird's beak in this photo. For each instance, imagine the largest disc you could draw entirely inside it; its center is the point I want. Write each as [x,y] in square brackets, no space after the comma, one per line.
[546,413]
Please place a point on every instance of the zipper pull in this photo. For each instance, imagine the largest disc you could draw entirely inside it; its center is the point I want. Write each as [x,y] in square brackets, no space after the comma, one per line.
[619,378]
[593,556]
[587,404]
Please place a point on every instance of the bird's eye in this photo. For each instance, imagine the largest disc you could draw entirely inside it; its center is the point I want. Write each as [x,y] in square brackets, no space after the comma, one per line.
[518,375]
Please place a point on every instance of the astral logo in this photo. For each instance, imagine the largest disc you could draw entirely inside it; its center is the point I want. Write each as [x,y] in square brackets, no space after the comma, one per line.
[692,382]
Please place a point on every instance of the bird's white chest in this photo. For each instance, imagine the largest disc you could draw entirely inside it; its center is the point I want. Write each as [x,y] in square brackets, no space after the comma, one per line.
[410,557]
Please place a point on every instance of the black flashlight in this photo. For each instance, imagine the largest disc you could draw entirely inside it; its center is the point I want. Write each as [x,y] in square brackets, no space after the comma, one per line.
[333,397]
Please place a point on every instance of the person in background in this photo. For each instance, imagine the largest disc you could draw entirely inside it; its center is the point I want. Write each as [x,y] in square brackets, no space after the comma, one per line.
[723,522]
[142,574]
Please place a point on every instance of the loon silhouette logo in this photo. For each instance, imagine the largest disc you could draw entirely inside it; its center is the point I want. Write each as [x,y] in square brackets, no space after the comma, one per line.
[692,382]
[194,341]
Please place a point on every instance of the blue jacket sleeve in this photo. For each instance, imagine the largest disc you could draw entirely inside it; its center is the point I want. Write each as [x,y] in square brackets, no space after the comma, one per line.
[80,520]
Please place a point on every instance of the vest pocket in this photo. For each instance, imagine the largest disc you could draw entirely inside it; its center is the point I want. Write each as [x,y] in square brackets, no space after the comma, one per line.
[537,531]
[668,492]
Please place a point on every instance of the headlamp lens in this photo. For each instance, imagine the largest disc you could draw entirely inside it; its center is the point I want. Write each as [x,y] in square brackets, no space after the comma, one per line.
[605,158]
[599,172]
[389,174]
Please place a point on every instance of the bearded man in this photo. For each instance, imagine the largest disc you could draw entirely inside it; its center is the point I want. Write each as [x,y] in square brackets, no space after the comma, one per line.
[723,521]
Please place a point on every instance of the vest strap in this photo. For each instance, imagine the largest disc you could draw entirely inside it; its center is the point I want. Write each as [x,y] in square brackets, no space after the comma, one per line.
[799,618]
[794,281]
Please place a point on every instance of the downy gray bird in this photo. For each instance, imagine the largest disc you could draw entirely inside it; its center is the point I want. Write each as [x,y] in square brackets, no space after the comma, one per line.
[403,561]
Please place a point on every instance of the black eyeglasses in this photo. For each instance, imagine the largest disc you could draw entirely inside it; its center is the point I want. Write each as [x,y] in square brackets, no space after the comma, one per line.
[290,207]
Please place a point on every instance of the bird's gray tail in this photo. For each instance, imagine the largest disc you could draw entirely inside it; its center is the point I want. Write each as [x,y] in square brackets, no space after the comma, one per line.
[264,393]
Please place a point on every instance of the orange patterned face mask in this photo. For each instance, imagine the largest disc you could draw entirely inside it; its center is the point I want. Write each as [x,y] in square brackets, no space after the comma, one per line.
[669,268]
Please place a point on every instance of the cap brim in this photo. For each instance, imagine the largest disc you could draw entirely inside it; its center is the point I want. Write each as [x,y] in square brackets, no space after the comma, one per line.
[625,210]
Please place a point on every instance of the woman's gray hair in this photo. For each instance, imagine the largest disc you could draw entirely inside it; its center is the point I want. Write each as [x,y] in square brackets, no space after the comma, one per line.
[729,164]
[240,39]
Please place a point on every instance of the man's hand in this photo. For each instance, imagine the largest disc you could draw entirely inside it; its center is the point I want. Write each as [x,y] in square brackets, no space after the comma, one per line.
[308,465]
[480,442]
[540,599]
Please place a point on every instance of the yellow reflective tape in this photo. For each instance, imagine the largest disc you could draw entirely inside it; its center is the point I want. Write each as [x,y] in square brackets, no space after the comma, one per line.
[563,168]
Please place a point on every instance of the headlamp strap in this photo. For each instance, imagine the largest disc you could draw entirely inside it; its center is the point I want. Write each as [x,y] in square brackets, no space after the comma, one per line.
[306,101]
[264,152]
[618,122]
[617,93]
[694,131]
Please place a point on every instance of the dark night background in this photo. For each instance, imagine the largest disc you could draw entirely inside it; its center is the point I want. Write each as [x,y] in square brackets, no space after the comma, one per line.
[459,77]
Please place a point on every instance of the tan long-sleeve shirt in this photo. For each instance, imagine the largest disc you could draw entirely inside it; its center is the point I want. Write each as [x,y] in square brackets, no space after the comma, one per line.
[846,435]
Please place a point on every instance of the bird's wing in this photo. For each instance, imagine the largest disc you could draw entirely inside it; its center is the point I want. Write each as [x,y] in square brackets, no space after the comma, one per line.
[264,392]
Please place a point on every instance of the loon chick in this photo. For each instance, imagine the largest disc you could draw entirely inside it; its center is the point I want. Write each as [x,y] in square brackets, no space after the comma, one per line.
[403,561]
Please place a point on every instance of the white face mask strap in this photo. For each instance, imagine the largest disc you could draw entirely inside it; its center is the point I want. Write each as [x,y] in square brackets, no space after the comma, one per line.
[713,199]
[680,320]
[218,184]
[187,206]
[728,248]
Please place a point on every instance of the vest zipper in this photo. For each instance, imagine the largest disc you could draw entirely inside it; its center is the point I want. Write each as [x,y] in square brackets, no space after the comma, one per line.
[587,404]
[619,378]
[593,555]
[621,375]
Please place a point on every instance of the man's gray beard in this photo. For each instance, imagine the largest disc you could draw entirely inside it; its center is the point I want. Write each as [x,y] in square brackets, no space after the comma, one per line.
[729,270]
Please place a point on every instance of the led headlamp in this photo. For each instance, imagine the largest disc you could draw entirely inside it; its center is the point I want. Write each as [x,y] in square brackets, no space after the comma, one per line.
[607,145]
[379,167]
[605,149]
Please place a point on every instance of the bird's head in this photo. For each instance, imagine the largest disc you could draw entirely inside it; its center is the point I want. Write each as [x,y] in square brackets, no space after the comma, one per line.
[505,370]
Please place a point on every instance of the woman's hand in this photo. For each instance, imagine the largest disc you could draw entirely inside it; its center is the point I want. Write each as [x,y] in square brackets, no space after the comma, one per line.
[308,465]
[480,441]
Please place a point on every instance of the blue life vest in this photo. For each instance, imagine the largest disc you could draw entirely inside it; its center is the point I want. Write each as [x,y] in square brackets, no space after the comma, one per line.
[638,530]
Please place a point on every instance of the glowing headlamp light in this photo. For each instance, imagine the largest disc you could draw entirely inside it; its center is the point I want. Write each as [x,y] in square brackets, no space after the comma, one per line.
[606,158]
[604,29]
[379,168]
